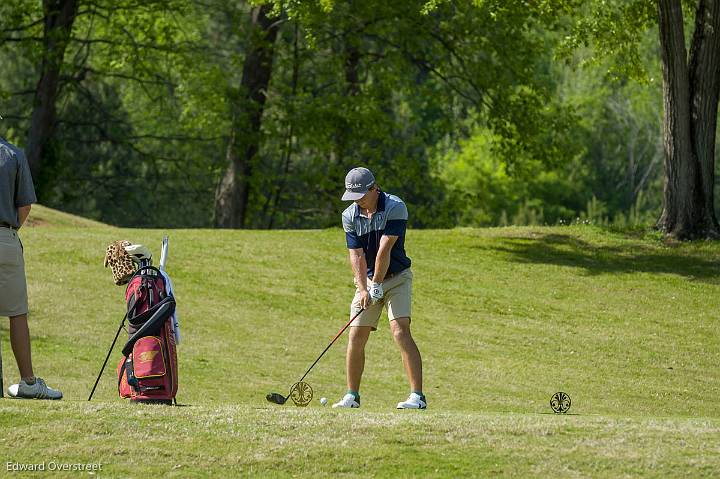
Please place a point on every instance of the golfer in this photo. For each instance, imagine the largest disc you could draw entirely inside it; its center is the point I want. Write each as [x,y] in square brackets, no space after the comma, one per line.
[16,196]
[375,232]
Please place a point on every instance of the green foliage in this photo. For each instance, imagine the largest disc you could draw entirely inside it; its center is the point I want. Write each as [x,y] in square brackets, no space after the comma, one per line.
[422,75]
[616,29]
[483,193]
[134,113]
[461,108]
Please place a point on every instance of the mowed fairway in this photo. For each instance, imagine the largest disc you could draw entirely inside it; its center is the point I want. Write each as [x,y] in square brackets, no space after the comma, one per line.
[627,325]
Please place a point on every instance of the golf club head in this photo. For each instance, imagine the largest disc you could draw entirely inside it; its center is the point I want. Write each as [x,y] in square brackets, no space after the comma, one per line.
[276,398]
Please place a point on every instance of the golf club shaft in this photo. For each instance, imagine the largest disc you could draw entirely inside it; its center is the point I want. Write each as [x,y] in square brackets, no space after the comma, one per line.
[122,323]
[331,343]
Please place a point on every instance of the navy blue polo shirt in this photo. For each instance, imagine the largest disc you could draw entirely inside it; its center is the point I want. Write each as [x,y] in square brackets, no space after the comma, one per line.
[390,219]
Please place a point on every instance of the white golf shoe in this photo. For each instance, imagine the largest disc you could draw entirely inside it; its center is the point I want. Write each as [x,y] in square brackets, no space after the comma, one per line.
[38,390]
[414,401]
[348,401]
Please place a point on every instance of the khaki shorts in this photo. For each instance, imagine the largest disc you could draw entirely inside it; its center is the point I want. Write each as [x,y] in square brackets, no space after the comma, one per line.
[397,298]
[13,287]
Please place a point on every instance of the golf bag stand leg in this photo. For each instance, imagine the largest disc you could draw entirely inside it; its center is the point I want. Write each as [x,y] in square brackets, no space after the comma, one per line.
[122,323]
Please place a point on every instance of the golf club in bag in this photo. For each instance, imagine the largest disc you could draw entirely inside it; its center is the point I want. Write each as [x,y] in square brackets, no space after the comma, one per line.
[301,392]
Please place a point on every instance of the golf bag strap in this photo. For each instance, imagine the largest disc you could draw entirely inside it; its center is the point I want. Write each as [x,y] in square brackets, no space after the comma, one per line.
[131,306]
[158,318]
[146,315]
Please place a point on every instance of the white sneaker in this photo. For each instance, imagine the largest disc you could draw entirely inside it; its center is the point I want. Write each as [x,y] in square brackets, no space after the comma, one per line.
[39,390]
[348,401]
[414,401]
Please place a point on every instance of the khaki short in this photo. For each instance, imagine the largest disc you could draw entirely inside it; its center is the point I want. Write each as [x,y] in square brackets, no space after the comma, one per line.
[397,298]
[13,287]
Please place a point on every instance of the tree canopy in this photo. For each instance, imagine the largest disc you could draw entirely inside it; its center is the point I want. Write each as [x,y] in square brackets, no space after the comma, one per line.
[189,113]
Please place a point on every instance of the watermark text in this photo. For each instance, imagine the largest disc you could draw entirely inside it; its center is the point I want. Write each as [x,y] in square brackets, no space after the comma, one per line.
[53,466]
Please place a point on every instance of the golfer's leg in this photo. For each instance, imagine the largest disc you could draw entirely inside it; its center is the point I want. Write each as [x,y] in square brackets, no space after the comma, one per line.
[409,352]
[355,358]
[20,342]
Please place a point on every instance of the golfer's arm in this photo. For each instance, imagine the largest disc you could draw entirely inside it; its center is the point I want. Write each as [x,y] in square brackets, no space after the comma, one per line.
[382,260]
[23,212]
[359,267]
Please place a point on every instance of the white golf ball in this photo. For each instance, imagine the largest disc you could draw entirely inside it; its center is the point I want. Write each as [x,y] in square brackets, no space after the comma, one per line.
[323,401]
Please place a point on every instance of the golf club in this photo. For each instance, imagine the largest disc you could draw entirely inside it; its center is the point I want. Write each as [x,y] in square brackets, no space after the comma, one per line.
[278,398]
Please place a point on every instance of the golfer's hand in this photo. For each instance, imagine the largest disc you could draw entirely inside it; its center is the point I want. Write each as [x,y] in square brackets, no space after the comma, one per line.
[364,299]
[376,292]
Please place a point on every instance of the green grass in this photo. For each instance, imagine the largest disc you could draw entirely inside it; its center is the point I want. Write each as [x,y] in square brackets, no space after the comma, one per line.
[625,324]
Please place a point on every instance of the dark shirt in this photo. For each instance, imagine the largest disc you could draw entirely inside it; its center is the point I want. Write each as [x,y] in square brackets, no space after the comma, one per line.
[16,185]
[390,219]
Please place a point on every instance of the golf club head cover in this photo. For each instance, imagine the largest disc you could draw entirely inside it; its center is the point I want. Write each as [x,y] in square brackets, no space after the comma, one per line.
[138,252]
[120,262]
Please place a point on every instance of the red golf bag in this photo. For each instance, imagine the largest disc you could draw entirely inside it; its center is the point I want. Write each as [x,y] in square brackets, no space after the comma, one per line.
[148,371]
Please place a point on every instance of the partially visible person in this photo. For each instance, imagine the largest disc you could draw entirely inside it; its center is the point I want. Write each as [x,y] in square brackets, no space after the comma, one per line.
[17,194]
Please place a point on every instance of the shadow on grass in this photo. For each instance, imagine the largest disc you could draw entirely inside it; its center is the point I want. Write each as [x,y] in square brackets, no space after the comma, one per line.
[570,251]
[559,414]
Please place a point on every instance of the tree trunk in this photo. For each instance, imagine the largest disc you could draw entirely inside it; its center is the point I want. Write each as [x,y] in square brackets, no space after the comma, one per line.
[274,200]
[343,130]
[352,69]
[705,85]
[233,192]
[689,105]
[59,16]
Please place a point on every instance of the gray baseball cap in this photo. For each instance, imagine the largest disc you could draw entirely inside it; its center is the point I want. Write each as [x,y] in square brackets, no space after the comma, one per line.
[357,182]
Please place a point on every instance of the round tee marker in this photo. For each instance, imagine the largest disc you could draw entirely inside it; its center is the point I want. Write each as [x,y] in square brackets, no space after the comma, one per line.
[560,402]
